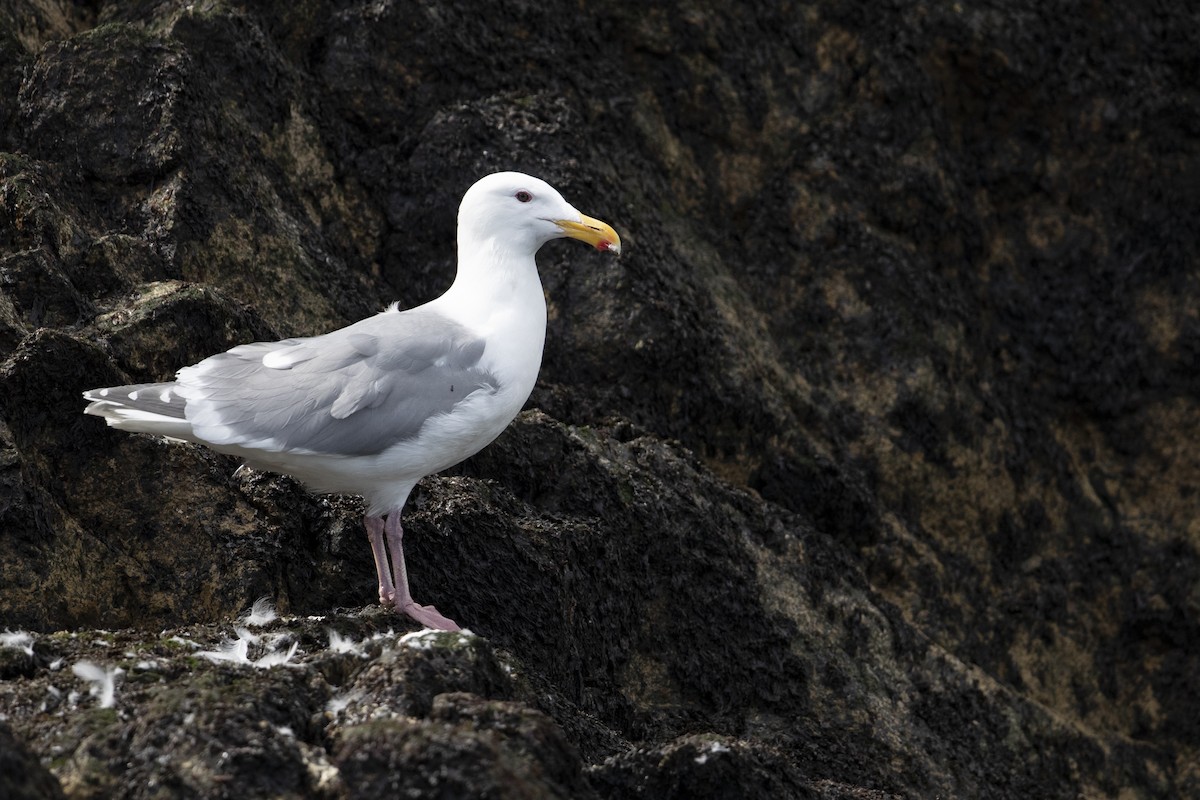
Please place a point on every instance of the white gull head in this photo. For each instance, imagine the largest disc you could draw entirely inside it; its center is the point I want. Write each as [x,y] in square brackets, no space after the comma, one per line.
[517,212]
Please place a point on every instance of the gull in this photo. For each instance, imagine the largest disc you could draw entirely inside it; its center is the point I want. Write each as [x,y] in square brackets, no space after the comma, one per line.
[372,408]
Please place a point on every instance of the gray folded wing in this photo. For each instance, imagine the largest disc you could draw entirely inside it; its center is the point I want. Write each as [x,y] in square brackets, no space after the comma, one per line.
[355,391]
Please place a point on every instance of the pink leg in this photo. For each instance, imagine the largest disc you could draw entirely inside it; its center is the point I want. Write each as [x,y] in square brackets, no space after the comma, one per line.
[426,615]
[387,593]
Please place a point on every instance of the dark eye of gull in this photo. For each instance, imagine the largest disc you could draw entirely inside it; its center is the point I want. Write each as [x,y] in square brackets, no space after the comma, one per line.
[523,196]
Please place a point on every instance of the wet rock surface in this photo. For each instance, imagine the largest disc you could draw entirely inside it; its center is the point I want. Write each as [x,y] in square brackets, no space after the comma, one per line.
[866,472]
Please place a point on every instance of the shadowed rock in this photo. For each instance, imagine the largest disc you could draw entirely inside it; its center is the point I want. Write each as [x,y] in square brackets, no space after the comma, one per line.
[866,471]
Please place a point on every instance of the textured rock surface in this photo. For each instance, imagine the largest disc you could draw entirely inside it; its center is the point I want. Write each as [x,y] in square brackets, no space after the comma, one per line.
[867,472]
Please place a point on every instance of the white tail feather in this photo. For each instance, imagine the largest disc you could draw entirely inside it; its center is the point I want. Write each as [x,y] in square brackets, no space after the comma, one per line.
[133,419]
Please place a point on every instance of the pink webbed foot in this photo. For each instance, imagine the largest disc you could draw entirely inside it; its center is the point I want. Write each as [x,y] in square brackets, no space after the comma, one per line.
[428,616]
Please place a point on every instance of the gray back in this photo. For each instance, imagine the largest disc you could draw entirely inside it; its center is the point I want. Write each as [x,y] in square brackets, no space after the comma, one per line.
[355,391]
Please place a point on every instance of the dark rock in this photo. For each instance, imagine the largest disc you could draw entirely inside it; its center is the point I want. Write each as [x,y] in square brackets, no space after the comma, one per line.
[129,129]
[866,472]
[466,747]
[21,776]
[703,765]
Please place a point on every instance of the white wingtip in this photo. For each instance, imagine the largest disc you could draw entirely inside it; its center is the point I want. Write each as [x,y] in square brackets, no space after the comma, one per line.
[131,419]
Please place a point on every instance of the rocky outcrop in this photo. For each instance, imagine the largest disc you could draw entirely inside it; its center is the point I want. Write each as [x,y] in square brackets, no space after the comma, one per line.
[865,472]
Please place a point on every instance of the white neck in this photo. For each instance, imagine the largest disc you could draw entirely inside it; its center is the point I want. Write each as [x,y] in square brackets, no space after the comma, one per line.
[497,294]
[490,279]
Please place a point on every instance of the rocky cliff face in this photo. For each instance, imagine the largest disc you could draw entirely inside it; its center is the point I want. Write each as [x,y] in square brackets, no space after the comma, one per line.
[868,471]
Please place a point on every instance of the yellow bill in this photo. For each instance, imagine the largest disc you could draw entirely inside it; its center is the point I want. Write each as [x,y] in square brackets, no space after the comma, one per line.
[599,235]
